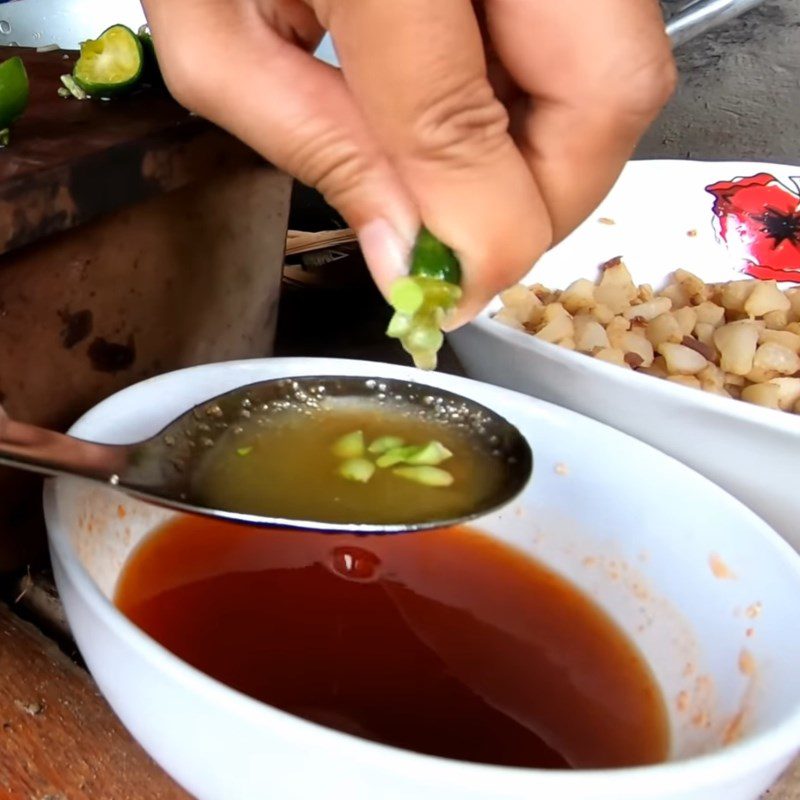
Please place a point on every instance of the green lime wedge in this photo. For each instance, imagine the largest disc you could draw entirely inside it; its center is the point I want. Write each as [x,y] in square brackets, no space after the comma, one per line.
[151,72]
[111,64]
[14,91]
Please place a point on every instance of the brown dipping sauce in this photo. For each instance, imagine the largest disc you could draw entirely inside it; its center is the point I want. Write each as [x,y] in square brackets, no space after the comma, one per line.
[448,643]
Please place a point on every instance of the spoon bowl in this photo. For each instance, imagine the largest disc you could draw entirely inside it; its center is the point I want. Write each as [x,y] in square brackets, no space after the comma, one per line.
[162,469]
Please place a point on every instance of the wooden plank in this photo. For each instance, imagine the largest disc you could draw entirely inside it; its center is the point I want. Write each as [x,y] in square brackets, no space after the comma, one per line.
[788,787]
[58,737]
[72,160]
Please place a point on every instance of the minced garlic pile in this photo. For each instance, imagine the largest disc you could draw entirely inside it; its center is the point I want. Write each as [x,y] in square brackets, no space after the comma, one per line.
[739,339]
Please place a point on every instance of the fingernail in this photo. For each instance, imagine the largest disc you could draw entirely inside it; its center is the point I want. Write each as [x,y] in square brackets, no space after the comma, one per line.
[385,251]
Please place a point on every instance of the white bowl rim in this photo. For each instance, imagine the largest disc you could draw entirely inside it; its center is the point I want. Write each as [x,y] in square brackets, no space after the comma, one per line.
[736,759]
[779,421]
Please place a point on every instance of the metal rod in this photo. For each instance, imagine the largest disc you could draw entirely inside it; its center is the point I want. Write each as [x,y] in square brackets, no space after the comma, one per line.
[699,16]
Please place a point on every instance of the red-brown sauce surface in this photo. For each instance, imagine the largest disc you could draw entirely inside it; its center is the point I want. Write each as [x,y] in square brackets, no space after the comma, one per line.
[446,643]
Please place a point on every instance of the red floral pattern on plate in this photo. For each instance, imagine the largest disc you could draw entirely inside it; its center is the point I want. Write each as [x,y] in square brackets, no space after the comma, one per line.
[759,218]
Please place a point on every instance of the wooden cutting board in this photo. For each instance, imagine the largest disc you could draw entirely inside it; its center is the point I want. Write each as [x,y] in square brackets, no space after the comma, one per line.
[71,160]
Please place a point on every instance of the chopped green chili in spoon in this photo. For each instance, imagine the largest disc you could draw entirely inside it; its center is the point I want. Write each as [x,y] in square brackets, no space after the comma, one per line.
[427,476]
[357,469]
[351,445]
[384,443]
[429,454]
[390,451]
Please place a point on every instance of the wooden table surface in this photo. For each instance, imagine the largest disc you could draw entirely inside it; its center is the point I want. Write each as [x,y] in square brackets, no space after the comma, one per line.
[59,740]
[70,160]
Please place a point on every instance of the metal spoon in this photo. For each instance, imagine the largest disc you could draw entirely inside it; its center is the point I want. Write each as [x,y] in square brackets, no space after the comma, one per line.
[160,469]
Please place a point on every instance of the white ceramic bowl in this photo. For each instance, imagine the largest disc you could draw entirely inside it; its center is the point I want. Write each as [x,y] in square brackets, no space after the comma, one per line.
[642,534]
[659,217]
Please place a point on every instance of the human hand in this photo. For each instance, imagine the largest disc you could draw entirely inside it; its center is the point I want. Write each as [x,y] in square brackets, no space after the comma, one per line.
[501,124]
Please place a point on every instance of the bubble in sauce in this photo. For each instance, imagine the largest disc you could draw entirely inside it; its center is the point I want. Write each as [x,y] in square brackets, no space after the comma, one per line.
[355,564]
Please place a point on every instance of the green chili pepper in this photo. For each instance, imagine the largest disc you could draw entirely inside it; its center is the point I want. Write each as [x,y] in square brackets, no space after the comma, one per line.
[422,300]
[427,476]
[357,469]
[384,443]
[151,72]
[433,259]
[429,454]
[397,455]
[351,445]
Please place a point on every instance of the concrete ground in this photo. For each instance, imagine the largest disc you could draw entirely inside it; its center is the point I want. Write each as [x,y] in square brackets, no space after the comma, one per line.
[739,92]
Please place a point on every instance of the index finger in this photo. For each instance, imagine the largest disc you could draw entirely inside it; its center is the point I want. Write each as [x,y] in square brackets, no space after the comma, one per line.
[417,70]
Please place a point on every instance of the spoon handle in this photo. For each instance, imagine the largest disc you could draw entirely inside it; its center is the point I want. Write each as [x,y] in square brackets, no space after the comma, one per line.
[40,450]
